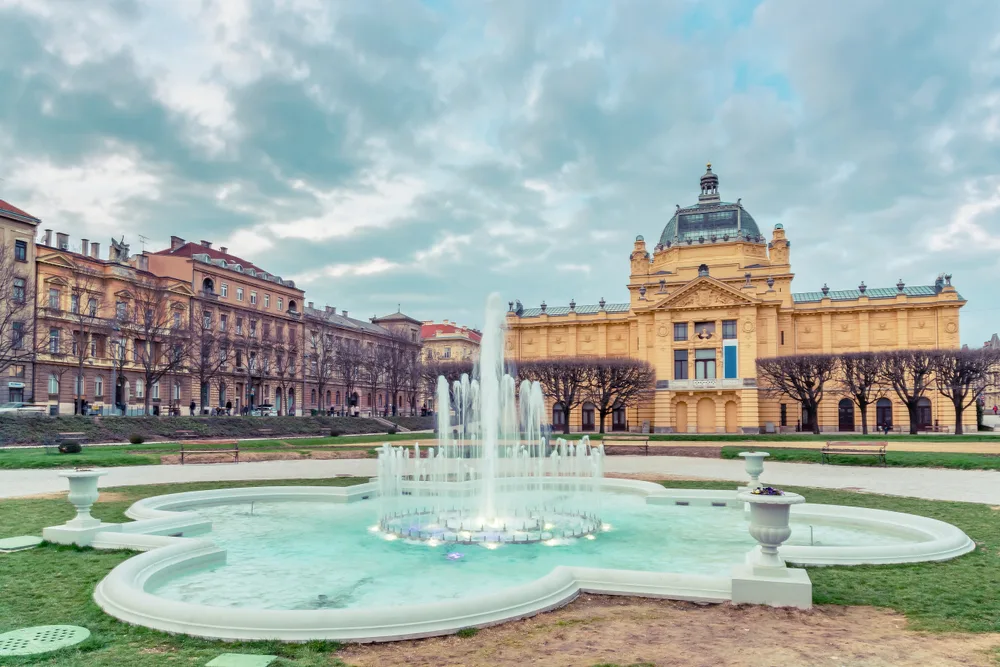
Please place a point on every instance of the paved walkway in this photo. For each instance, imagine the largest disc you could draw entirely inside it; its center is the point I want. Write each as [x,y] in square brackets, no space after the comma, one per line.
[987,446]
[977,486]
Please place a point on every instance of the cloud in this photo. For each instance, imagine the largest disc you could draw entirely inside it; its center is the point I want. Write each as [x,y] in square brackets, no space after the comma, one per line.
[442,151]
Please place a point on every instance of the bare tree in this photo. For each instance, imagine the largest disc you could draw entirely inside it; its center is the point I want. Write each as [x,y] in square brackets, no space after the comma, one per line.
[249,352]
[801,377]
[17,317]
[285,370]
[397,358]
[211,351]
[961,375]
[452,370]
[349,362]
[90,326]
[909,373]
[564,380]
[618,382]
[861,377]
[161,339]
[372,371]
[322,363]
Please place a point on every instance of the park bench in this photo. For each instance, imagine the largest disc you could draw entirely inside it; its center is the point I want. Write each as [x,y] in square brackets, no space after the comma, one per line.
[848,448]
[70,436]
[265,433]
[626,441]
[234,450]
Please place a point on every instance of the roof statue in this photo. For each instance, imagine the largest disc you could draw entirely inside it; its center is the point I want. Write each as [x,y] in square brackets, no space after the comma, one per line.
[119,251]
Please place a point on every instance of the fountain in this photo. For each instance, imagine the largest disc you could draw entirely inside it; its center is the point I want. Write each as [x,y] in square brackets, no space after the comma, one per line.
[493,477]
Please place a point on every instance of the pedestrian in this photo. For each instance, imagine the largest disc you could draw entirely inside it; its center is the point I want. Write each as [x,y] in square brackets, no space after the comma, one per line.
[994,409]
[192,406]
[229,407]
[885,427]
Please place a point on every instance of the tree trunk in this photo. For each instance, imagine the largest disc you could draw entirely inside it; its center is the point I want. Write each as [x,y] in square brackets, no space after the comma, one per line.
[566,420]
[603,415]
[911,410]
[958,415]
[864,419]
[813,412]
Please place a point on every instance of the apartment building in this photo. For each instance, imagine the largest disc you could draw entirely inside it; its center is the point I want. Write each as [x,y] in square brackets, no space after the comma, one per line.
[17,287]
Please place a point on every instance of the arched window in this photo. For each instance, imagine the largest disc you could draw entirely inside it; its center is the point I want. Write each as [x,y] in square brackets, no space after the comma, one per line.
[208,285]
[338,399]
[312,397]
[291,305]
[380,400]
[140,388]
[291,401]
[53,384]
[126,392]
[99,386]
[328,403]
[558,416]
[883,413]
[222,393]
[587,423]
[368,401]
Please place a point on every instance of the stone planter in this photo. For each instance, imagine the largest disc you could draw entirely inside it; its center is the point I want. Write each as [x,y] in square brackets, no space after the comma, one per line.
[82,495]
[754,466]
[769,525]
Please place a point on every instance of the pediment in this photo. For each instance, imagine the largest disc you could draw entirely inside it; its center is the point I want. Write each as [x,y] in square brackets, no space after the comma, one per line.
[705,292]
[56,259]
[56,279]
[182,289]
[124,294]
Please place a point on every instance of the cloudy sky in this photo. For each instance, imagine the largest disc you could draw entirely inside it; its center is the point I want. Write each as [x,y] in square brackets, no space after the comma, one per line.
[427,152]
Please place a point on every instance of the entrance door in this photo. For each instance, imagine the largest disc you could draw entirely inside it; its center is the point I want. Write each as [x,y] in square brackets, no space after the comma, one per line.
[587,423]
[732,422]
[618,421]
[682,417]
[706,416]
[845,411]
[924,420]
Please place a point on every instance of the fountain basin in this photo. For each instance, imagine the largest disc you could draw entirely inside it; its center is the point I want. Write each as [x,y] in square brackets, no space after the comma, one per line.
[169,588]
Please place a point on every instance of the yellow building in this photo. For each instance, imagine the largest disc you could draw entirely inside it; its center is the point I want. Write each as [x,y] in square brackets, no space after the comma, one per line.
[448,341]
[714,296]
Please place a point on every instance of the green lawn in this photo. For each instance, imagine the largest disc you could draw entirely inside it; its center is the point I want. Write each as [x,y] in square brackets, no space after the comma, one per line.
[895,459]
[53,585]
[12,458]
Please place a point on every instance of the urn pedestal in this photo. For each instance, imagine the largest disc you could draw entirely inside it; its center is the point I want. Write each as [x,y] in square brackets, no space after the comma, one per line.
[83,493]
[754,462]
[764,578]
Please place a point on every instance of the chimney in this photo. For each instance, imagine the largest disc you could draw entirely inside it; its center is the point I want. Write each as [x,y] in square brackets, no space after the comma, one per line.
[47,239]
[224,250]
[330,309]
[84,247]
[344,312]
[176,242]
[310,305]
[62,241]
[142,262]
[207,244]
[95,250]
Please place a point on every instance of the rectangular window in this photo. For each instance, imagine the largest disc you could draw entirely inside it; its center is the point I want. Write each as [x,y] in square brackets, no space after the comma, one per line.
[225,290]
[239,293]
[730,367]
[17,335]
[155,393]
[53,298]
[53,341]
[784,414]
[93,346]
[121,310]
[782,337]
[177,320]
[239,326]
[21,251]
[680,364]
[92,307]
[704,364]
[728,329]
[280,303]
[206,321]
[17,371]
[223,322]
[15,395]
[680,331]
[253,298]
[74,303]
[267,300]
[447,353]
[20,289]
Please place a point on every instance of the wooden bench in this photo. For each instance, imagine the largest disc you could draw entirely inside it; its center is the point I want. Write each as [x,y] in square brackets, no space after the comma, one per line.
[627,442]
[234,450]
[185,435]
[848,448]
[265,432]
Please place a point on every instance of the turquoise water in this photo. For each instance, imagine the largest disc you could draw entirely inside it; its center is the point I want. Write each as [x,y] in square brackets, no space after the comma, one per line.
[304,555]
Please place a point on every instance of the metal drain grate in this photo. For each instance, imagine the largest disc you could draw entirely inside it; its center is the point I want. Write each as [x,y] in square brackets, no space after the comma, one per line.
[41,639]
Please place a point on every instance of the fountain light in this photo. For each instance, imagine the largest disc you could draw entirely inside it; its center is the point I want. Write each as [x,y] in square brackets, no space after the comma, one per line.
[374,529]
[491,545]
[389,537]
[590,537]
[551,543]
[605,527]
[432,542]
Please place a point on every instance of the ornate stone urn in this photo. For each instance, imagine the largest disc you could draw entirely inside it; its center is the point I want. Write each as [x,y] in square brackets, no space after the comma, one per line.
[82,495]
[769,525]
[754,466]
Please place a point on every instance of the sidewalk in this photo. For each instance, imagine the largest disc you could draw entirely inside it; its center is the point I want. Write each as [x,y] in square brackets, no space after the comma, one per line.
[977,486]
[952,447]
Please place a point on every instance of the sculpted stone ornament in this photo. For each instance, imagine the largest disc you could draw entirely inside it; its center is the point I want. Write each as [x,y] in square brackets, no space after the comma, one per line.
[748,326]
[704,334]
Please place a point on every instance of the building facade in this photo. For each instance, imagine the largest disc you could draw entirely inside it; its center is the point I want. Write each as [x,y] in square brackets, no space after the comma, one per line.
[712,297]
[351,363]
[446,340]
[107,331]
[249,333]
[17,273]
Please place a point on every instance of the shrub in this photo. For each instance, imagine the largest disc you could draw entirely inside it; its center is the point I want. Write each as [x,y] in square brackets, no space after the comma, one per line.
[336,433]
[70,447]
[393,430]
[136,439]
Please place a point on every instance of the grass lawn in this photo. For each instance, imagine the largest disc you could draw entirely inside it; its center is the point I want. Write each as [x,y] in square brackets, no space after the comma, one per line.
[53,585]
[12,458]
[897,459]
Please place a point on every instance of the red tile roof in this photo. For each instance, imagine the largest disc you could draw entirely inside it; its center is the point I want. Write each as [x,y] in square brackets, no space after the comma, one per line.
[433,329]
[8,208]
[190,248]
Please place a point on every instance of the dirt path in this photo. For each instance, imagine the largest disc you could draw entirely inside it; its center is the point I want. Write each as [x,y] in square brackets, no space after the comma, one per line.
[598,630]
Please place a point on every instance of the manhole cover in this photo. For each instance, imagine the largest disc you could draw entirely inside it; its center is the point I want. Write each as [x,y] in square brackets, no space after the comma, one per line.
[41,639]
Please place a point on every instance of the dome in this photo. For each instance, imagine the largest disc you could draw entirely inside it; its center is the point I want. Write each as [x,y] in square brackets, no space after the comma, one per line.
[710,217]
